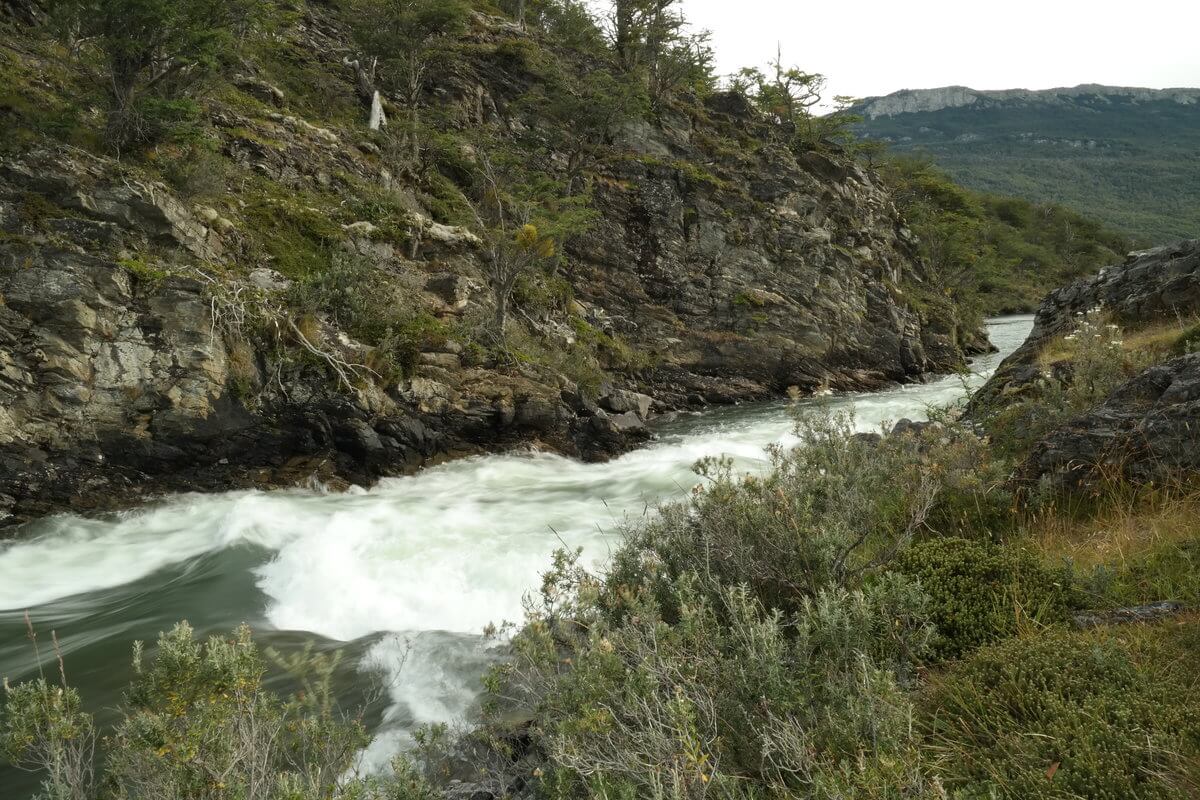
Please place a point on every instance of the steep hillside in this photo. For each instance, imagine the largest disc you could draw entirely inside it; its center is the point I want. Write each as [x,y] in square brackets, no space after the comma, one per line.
[995,254]
[1128,157]
[261,289]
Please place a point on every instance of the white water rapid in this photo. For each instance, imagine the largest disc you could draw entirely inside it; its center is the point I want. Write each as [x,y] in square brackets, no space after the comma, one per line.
[404,576]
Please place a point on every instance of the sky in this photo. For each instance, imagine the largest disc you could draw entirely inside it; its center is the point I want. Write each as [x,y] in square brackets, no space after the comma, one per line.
[874,47]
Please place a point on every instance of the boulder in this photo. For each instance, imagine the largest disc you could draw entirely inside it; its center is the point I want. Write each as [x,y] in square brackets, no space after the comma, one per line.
[627,422]
[269,280]
[1146,430]
[260,89]
[1152,285]
[622,400]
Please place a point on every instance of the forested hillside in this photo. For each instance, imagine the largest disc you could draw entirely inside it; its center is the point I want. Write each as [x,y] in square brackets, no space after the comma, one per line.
[992,253]
[1129,158]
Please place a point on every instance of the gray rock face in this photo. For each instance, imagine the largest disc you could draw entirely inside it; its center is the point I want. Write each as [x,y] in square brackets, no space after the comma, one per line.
[722,267]
[1158,284]
[776,270]
[622,400]
[1150,285]
[84,184]
[1147,430]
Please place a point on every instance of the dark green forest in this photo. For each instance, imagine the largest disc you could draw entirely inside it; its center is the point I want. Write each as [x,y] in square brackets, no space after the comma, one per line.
[1133,166]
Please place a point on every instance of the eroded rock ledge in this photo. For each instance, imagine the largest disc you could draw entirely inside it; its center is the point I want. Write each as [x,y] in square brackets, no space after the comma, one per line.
[1152,285]
[119,376]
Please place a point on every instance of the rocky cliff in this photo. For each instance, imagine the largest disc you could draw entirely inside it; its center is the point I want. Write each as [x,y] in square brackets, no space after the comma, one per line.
[159,337]
[1146,428]
[1151,286]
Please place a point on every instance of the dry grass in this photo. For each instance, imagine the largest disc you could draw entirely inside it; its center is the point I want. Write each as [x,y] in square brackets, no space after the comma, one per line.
[1149,345]
[1122,529]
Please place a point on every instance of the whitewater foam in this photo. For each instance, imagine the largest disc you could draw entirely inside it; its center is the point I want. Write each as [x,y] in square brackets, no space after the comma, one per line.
[422,563]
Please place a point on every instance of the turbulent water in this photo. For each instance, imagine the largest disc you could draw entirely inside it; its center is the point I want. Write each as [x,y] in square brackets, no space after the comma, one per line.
[403,577]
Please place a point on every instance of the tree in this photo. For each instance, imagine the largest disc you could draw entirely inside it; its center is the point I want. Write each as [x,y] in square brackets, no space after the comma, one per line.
[399,40]
[513,245]
[785,95]
[155,51]
[650,39]
[575,120]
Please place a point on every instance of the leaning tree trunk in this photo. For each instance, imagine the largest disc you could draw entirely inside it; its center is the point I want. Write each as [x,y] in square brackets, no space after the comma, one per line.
[364,85]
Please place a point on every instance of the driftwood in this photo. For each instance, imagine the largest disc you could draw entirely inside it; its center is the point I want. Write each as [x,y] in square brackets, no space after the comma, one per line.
[1151,612]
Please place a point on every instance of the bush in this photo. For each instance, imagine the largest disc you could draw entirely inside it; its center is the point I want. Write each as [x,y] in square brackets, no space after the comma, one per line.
[980,592]
[1188,342]
[731,698]
[374,310]
[1070,716]
[1081,370]
[197,722]
[299,238]
[750,640]
[828,512]
[196,170]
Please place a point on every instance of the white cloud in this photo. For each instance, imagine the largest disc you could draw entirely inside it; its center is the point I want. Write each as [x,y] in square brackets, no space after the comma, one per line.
[875,47]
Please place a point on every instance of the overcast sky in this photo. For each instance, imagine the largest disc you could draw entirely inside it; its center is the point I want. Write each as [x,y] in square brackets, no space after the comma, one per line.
[874,47]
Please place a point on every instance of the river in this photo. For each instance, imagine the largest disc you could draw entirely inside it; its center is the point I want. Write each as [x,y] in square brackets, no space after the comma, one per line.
[403,577]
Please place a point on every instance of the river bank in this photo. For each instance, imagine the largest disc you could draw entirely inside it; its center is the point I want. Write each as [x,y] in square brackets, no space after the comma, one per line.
[403,576]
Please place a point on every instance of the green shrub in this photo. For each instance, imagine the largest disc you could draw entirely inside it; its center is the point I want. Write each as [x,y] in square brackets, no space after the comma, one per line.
[196,170]
[981,592]
[1094,364]
[298,237]
[198,722]
[828,512]
[44,727]
[1188,342]
[519,55]
[750,641]
[376,311]
[729,698]
[1070,716]
[445,201]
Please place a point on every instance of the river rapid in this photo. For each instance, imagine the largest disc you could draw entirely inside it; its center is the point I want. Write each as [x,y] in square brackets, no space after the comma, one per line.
[403,577]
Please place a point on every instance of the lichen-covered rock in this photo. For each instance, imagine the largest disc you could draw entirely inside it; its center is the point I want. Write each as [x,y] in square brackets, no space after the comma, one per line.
[1147,430]
[1158,284]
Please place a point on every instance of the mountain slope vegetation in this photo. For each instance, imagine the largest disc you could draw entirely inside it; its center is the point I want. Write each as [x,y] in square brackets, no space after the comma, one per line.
[992,253]
[1128,158]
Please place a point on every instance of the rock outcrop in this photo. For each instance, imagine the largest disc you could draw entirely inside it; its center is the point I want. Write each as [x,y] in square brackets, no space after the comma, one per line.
[1147,430]
[915,101]
[150,343]
[1151,286]
[764,272]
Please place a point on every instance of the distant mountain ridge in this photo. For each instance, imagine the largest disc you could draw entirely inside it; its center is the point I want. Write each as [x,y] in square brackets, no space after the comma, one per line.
[911,101]
[1128,156]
